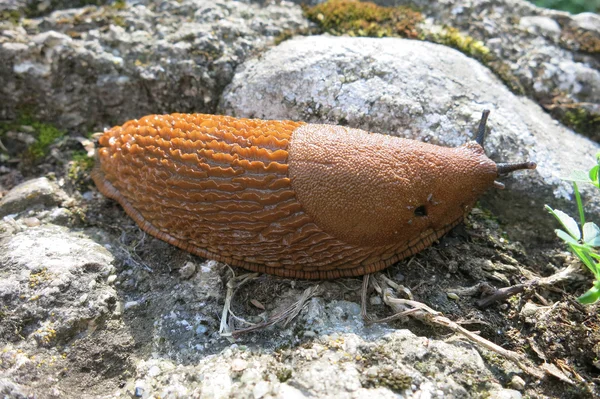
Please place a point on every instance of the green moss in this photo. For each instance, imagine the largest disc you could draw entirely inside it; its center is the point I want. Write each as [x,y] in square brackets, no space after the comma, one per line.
[454,38]
[10,15]
[389,377]
[583,121]
[283,36]
[119,5]
[45,135]
[575,115]
[81,159]
[357,18]
[118,20]
[283,373]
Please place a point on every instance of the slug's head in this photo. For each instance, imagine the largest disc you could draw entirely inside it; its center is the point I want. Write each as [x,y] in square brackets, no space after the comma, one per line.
[369,189]
[502,168]
[444,189]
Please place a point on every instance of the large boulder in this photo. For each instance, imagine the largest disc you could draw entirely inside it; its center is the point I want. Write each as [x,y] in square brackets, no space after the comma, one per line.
[421,91]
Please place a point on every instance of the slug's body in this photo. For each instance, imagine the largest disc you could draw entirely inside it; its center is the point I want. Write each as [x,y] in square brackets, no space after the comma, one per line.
[288,198]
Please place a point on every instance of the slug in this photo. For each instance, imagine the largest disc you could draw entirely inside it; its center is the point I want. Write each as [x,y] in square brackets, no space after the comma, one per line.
[290,198]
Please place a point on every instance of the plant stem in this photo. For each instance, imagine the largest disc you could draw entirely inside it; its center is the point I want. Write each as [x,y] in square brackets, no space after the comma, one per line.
[579,204]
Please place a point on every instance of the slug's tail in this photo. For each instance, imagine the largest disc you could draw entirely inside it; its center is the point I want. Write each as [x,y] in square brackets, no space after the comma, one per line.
[503,168]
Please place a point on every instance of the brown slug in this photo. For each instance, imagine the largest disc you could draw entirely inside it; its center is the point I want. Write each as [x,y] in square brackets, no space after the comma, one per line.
[290,198]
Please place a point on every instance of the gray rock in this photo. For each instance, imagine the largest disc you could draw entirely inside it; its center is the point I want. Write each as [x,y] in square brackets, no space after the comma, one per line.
[588,21]
[400,87]
[9,389]
[335,366]
[53,294]
[540,24]
[99,66]
[39,193]
[72,323]
[517,383]
[505,394]
[524,37]
[43,269]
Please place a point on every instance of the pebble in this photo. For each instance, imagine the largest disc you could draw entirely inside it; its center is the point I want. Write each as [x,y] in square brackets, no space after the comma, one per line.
[187,270]
[517,383]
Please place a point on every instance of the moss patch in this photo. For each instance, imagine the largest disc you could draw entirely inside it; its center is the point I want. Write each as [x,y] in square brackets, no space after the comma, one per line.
[10,15]
[579,117]
[46,135]
[356,18]
[453,38]
[584,121]
[43,133]
[580,40]
[387,376]
[78,173]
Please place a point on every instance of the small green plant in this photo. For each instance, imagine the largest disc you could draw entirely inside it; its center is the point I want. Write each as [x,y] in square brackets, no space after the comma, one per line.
[584,237]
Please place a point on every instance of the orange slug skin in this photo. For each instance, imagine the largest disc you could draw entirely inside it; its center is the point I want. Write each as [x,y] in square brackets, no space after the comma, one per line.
[288,198]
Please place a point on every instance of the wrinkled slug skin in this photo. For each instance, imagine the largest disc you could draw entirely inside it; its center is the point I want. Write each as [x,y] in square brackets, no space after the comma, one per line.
[288,198]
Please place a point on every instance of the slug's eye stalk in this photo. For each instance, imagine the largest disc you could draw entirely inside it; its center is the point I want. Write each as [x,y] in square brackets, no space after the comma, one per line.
[503,168]
[482,127]
[506,168]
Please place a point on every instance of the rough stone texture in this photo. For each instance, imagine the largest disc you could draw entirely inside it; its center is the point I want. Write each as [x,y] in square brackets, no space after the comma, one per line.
[92,67]
[400,87]
[45,270]
[332,366]
[529,38]
[539,45]
[68,312]
[99,309]
[551,56]
[32,8]
[39,193]
[54,293]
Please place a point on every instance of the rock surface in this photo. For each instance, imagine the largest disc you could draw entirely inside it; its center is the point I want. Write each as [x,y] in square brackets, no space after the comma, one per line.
[93,67]
[66,316]
[40,193]
[92,307]
[534,43]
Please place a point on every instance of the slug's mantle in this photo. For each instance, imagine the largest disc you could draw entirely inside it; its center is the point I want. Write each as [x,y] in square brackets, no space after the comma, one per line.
[289,198]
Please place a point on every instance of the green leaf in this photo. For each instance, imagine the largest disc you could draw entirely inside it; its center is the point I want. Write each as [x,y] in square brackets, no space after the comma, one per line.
[583,253]
[590,296]
[591,234]
[567,221]
[579,176]
[593,176]
[595,256]
[566,237]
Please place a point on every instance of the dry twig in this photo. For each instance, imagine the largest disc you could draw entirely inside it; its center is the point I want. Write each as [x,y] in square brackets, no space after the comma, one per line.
[422,312]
